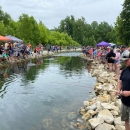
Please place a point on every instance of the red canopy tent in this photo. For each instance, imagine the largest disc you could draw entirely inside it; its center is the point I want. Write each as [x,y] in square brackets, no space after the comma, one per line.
[2,38]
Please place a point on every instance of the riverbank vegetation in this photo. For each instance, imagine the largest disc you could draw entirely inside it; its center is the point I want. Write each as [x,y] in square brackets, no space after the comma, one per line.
[70,32]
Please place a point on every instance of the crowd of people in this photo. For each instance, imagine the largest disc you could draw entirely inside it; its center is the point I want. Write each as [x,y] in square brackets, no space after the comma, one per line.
[117,59]
[11,52]
[111,56]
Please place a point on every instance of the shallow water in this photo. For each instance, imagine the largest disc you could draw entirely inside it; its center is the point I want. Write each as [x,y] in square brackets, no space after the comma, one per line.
[45,95]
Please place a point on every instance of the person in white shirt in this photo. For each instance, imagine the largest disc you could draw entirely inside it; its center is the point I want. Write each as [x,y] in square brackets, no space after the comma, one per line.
[117,62]
[6,45]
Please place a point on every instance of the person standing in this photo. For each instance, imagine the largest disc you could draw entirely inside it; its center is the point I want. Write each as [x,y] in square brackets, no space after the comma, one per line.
[48,48]
[110,60]
[124,50]
[123,88]
[117,63]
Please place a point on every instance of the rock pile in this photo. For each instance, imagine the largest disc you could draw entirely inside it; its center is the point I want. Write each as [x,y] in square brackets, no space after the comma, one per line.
[103,111]
[83,56]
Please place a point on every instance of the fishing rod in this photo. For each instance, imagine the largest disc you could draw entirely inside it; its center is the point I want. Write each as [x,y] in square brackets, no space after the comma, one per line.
[70,84]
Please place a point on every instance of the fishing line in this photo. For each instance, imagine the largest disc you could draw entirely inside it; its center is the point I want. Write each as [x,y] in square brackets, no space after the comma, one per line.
[70,84]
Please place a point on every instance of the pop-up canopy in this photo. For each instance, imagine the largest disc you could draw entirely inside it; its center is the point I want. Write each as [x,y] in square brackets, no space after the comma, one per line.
[2,38]
[15,39]
[103,44]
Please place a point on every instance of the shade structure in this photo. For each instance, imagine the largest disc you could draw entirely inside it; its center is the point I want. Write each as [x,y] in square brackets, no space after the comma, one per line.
[112,44]
[103,44]
[2,38]
[15,39]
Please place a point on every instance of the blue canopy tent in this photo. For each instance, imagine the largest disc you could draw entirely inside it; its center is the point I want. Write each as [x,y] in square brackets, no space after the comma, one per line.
[103,44]
[15,39]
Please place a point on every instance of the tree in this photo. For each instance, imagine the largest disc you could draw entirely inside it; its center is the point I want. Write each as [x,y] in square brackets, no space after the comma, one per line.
[67,25]
[119,30]
[11,28]
[28,29]
[124,23]
[44,33]
[102,31]
[86,34]
[4,17]
[2,29]
[79,30]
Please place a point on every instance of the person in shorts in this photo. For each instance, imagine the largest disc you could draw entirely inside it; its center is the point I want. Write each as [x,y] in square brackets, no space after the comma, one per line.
[110,60]
[123,88]
[117,62]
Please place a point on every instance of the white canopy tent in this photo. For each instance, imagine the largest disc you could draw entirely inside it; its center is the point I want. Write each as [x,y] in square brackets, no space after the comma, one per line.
[112,44]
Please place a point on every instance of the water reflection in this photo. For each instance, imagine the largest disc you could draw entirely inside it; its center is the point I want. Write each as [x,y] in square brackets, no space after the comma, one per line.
[43,94]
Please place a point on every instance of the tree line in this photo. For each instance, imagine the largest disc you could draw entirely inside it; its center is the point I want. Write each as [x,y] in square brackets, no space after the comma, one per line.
[70,32]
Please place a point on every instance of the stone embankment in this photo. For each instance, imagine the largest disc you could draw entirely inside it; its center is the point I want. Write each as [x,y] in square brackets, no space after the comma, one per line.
[102,112]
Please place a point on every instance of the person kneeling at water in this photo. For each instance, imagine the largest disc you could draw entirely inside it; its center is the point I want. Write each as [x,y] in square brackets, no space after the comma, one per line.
[5,57]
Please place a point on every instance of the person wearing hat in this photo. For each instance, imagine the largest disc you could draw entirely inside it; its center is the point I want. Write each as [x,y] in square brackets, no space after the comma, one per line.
[123,50]
[123,88]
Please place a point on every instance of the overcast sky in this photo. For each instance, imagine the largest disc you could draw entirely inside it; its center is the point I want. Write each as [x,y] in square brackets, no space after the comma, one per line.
[51,12]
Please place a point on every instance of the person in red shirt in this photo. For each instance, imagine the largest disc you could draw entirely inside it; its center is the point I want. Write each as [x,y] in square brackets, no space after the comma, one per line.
[91,53]
[99,56]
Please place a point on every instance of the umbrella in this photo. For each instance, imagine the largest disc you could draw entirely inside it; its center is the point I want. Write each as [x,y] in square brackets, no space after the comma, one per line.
[2,38]
[15,39]
[103,44]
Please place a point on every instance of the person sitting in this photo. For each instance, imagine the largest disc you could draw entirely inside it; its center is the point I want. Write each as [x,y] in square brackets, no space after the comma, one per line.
[5,57]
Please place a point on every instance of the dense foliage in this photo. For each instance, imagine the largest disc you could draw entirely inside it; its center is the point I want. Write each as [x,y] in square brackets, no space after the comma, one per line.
[70,31]
[27,29]
[122,25]
[84,33]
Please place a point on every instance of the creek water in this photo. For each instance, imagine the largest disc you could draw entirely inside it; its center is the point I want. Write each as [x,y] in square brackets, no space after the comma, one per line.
[44,95]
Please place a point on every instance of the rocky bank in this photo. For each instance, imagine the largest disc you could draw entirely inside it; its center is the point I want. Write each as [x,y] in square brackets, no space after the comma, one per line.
[102,112]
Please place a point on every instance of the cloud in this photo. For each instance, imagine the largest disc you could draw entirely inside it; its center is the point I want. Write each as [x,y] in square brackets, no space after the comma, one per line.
[51,12]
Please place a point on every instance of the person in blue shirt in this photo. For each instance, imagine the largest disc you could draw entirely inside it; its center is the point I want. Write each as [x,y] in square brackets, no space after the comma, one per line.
[95,54]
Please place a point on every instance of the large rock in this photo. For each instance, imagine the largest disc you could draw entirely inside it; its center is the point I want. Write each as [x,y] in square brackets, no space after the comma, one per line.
[82,111]
[104,98]
[118,121]
[86,103]
[86,116]
[106,115]
[92,112]
[106,106]
[118,103]
[105,126]
[95,122]
[112,95]
[110,107]
[120,127]
[114,113]
[97,84]
[92,107]
[102,79]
